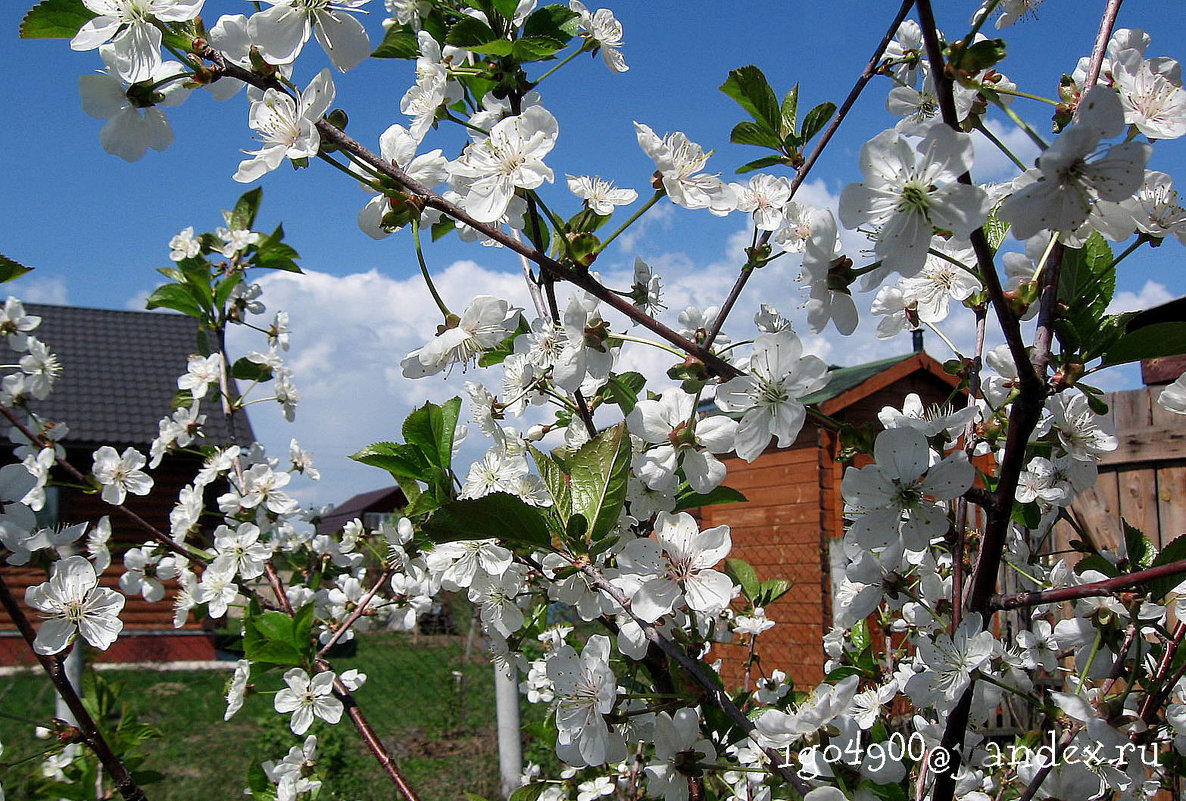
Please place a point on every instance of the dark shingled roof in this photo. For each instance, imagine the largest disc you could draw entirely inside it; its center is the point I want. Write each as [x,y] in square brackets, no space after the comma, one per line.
[119,374]
[842,379]
[388,499]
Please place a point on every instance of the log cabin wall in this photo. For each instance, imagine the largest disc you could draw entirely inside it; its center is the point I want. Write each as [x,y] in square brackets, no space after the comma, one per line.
[148,635]
[792,521]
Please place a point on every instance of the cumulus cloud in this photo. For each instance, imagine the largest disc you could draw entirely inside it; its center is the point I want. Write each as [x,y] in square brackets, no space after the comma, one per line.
[349,334]
[994,165]
[1151,294]
[44,290]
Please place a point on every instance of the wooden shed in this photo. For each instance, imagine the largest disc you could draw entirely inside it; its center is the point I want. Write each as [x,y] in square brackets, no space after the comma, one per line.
[119,377]
[792,521]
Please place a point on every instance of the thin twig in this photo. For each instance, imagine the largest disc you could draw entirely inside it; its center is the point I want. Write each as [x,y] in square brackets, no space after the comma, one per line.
[86,724]
[1091,590]
[801,174]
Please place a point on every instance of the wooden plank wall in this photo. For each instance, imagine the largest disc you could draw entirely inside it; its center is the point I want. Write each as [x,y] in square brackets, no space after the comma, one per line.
[778,532]
[1144,480]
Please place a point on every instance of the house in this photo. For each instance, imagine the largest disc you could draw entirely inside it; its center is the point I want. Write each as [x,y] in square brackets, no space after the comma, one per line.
[119,376]
[791,524]
[372,508]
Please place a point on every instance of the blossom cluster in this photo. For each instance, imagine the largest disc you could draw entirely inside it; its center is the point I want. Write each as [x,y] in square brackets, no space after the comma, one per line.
[581,496]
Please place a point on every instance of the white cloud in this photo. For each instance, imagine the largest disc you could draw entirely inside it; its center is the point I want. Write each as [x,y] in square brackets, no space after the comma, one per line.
[991,163]
[1151,294]
[349,335]
[43,290]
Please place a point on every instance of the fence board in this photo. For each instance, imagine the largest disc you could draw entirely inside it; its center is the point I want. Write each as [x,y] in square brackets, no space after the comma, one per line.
[1138,500]
[1171,503]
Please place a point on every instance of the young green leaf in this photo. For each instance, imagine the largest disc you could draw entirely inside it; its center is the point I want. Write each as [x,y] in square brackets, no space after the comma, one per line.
[816,119]
[598,474]
[499,515]
[790,113]
[748,86]
[55,19]
[243,215]
[399,42]
[11,270]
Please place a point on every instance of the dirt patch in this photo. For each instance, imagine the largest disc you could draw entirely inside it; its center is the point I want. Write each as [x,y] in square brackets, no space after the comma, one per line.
[418,744]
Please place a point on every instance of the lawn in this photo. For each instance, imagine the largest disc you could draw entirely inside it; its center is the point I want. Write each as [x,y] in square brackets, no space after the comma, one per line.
[432,708]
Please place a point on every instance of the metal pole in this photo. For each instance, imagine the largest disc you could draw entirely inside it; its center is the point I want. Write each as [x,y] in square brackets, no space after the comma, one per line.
[510,746]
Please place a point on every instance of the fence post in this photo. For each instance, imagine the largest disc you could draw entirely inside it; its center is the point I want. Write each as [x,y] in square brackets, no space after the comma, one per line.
[510,744]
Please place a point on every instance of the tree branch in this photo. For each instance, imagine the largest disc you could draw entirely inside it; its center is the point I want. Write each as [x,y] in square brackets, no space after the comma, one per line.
[1091,590]
[86,724]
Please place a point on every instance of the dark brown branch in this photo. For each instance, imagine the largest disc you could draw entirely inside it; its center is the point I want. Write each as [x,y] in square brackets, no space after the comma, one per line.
[1091,590]
[86,724]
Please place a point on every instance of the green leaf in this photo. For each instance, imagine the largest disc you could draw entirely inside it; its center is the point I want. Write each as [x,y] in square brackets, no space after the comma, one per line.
[273,254]
[1150,342]
[980,56]
[1087,280]
[529,792]
[243,215]
[495,47]
[598,473]
[816,119]
[275,638]
[537,48]
[995,230]
[744,574]
[499,515]
[688,499]
[11,270]
[1175,551]
[759,164]
[224,288]
[471,33]
[1141,552]
[772,590]
[752,133]
[399,42]
[431,429]
[556,482]
[1096,562]
[506,8]
[586,220]
[623,390]
[55,19]
[748,86]
[178,297]
[401,461]
[246,370]
[552,22]
[790,113]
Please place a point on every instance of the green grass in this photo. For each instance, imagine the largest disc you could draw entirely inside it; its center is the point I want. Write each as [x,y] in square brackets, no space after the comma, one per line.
[433,710]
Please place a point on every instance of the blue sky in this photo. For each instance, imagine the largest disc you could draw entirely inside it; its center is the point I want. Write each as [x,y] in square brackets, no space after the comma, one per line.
[95,227]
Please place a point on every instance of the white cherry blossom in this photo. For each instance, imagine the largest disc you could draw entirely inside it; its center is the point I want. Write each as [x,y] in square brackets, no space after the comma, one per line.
[767,395]
[1059,193]
[287,127]
[676,568]
[510,158]
[128,26]
[308,698]
[910,190]
[75,604]
[281,31]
